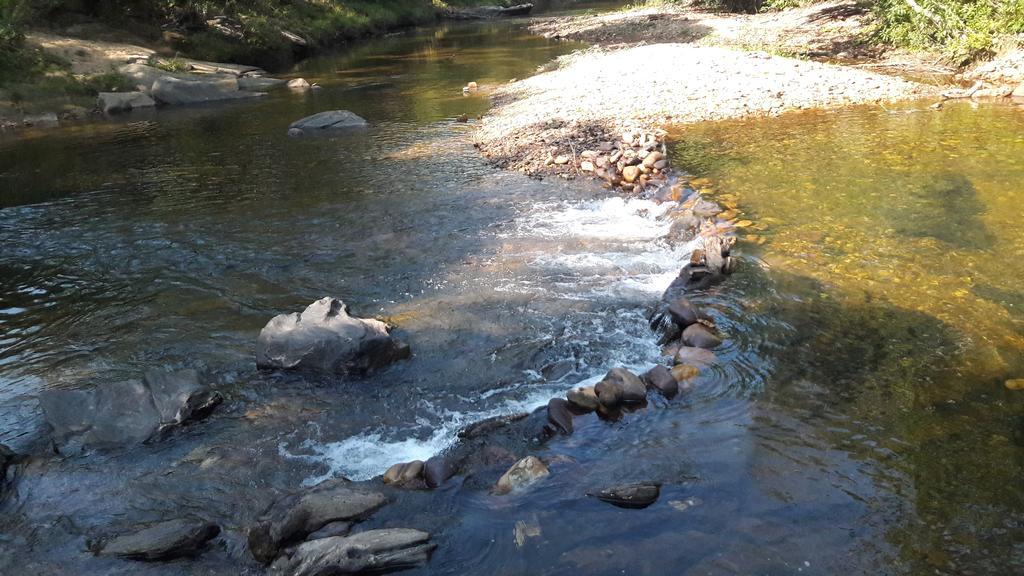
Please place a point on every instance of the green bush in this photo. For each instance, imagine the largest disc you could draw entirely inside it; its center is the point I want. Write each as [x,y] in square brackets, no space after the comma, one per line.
[965,30]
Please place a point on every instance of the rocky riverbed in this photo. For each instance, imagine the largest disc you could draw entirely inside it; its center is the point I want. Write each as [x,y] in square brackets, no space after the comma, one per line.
[579,443]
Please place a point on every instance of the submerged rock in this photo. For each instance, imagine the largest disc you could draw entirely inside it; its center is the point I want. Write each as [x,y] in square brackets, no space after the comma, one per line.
[329,120]
[324,338]
[694,356]
[522,474]
[124,413]
[259,83]
[292,518]
[163,541]
[630,495]
[681,372]
[373,551]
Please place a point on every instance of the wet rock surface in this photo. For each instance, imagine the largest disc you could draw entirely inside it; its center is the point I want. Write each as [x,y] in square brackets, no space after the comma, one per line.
[324,338]
[639,495]
[293,517]
[120,414]
[177,92]
[559,415]
[522,474]
[370,552]
[700,336]
[663,380]
[584,398]
[9,462]
[620,386]
[329,120]
[163,541]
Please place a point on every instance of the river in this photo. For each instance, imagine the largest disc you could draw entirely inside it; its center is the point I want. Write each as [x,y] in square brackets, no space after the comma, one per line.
[857,424]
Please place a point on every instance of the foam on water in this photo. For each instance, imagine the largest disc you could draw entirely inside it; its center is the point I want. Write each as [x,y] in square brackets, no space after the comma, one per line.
[611,249]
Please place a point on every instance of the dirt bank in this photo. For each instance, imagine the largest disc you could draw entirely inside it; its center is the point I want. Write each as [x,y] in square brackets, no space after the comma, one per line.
[826,29]
[598,94]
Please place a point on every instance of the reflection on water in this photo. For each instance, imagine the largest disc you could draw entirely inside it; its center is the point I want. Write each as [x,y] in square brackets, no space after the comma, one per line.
[891,244]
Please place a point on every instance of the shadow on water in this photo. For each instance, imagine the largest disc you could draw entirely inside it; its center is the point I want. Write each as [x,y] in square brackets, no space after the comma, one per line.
[942,199]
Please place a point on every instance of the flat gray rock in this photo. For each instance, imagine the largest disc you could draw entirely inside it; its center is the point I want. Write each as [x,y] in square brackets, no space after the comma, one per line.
[143,76]
[119,414]
[324,338]
[373,551]
[118,102]
[174,91]
[163,541]
[292,518]
[329,120]
[259,83]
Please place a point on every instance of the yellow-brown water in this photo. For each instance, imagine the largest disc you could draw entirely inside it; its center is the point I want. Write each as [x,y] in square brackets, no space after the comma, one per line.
[891,245]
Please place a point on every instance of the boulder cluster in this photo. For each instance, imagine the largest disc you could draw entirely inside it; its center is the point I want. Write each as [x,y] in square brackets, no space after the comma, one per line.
[205,82]
[634,162]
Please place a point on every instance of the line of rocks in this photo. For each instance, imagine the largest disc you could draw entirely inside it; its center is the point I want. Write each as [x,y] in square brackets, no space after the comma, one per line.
[688,333]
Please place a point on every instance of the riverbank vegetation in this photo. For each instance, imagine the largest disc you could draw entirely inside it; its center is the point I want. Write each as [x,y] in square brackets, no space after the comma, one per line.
[269,33]
[963,30]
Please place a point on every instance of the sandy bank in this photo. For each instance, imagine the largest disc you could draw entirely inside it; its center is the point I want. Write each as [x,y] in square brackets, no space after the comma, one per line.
[597,94]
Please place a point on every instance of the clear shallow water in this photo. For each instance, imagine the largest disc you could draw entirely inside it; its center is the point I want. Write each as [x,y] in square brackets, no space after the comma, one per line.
[825,443]
[891,244]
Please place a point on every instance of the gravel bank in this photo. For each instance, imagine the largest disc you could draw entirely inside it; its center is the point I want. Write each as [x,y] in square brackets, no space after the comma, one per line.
[596,95]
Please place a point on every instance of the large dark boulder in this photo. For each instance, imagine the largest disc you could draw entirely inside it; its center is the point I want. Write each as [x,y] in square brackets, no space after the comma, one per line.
[120,414]
[324,338]
[370,552]
[163,541]
[292,518]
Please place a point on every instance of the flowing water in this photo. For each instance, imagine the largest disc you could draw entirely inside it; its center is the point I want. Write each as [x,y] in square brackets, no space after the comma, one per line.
[856,424]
